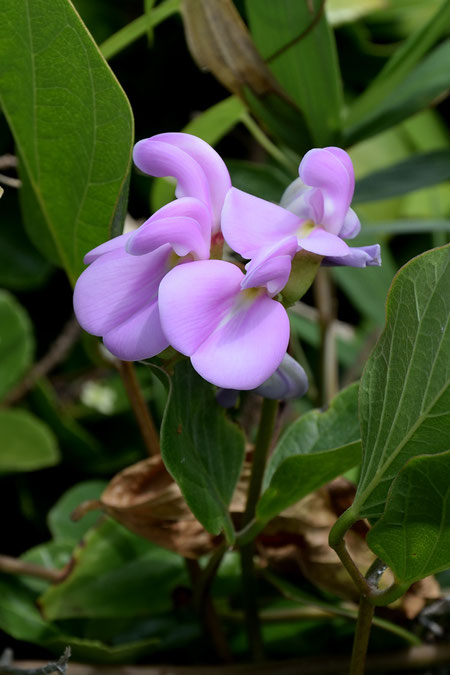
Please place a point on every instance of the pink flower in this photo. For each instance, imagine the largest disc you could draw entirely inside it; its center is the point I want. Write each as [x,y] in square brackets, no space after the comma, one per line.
[234,332]
[116,297]
[315,214]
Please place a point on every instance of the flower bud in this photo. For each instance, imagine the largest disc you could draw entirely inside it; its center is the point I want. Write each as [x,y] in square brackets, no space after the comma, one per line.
[288,381]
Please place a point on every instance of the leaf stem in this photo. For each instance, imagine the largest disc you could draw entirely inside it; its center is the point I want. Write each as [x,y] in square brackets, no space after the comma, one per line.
[265,142]
[249,586]
[139,405]
[362,634]
[137,28]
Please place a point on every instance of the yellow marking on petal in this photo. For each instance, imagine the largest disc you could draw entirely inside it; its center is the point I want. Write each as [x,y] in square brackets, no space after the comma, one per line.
[305,229]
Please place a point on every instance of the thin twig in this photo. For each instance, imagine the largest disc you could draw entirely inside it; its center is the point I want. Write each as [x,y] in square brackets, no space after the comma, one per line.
[406,660]
[139,405]
[208,615]
[57,353]
[8,162]
[59,666]
[16,566]
[11,182]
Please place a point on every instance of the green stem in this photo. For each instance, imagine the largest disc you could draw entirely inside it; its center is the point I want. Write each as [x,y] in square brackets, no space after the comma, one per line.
[265,142]
[249,585]
[137,28]
[370,590]
[262,446]
[361,641]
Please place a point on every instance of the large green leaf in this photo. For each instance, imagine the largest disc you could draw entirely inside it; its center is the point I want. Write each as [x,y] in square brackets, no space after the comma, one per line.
[262,180]
[201,448]
[112,571]
[426,83]
[316,448]
[302,55]
[413,534]
[65,530]
[72,124]
[414,173]
[399,66]
[404,392]
[27,443]
[16,342]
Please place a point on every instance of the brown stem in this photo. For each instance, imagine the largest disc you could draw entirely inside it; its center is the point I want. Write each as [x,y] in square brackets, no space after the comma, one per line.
[208,615]
[16,566]
[57,353]
[139,405]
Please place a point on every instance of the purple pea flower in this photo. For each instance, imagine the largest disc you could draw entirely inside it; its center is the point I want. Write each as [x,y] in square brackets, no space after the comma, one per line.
[234,332]
[314,215]
[116,297]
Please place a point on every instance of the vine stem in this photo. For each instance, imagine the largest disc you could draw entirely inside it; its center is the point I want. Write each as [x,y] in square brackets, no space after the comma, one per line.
[250,594]
[362,634]
[139,405]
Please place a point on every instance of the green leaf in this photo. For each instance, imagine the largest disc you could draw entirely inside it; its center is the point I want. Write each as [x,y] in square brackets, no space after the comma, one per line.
[201,448]
[211,125]
[65,530]
[19,616]
[301,53]
[27,443]
[413,534]
[404,393]
[16,342]
[71,121]
[399,66]
[414,173]
[111,572]
[426,83]
[315,449]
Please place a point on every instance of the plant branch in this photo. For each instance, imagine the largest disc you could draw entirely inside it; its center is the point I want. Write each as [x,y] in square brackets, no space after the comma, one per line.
[402,660]
[59,666]
[362,634]
[57,353]
[265,142]
[249,586]
[139,405]
[11,565]
[326,305]
[205,607]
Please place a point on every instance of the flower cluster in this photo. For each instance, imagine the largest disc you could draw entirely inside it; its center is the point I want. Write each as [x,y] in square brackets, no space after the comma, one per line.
[158,286]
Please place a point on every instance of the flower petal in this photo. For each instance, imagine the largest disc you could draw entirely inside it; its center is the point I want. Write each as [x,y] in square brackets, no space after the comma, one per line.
[358,256]
[164,159]
[187,207]
[246,349]
[116,286]
[304,201]
[183,235]
[106,247]
[193,299]
[344,158]
[324,243]
[322,169]
[351,227]
[271,267]
[139,337]
[250,223]
[210,161]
